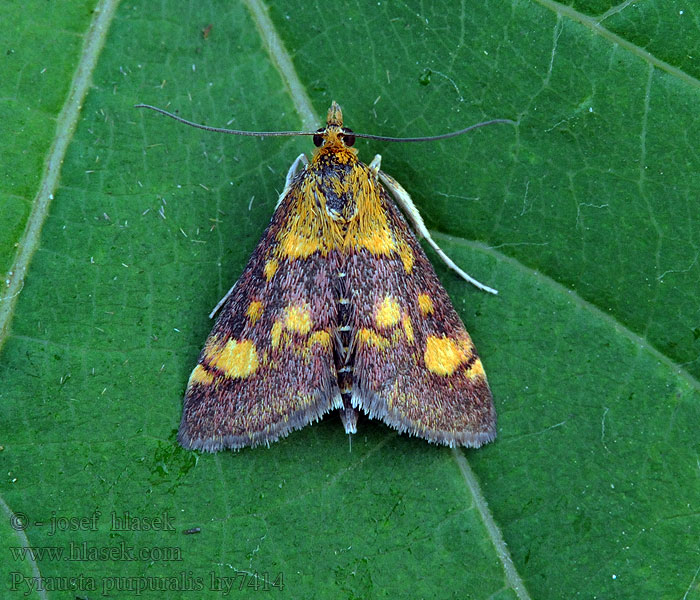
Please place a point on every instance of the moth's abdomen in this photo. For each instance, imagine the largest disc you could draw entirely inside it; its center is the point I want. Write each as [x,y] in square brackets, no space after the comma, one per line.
[343,352]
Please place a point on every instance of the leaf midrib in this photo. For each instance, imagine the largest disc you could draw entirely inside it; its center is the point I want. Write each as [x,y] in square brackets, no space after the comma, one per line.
[66,123]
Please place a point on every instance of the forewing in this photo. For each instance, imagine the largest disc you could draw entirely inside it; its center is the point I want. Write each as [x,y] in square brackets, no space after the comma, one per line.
[267,367]
[415,366]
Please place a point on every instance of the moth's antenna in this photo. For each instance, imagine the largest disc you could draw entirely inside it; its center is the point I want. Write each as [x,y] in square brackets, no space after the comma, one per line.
[366,136]
[222,129]
[432,138]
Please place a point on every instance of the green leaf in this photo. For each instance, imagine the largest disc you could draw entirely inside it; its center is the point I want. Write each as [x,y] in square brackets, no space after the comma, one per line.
[584,216]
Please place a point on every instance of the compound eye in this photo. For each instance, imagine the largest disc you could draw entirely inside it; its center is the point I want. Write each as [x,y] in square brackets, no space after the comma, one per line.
[348,136]
[318,139]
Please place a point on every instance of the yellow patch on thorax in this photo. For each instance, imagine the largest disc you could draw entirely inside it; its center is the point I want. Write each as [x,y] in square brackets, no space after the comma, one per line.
[295,244]
[297,318]
[425,304]
[370,228]
[307,229]
[443,355]
[255,310]
[374,238]
[236,359]
[388,312]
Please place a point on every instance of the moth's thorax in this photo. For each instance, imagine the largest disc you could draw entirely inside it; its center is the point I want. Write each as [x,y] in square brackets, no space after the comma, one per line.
[336,177]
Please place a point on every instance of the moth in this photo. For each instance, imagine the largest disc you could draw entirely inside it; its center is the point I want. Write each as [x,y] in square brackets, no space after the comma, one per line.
[338,308]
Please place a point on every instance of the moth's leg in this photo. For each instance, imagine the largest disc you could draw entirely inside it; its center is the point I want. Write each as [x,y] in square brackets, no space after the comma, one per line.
[376,164]
[290,175]
[410,210]
[294,168]
[221,302]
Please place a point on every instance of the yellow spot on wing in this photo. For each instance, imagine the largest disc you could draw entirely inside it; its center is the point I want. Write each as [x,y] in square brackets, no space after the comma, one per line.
[270,268]
[388,313]
[297,318]
[407,327]
[200,375]
[372,338]
[319,337]
[276,333]
[466,345]
[406,255]
[425,304]
[255,310]
[212,343]
[236,359]
[443,355]
[476,370]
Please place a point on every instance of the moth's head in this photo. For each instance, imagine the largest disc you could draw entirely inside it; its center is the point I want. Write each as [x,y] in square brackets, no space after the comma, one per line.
[334,136]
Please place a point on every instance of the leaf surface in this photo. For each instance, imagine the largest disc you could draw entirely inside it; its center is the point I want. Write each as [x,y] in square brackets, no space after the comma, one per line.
[584,216]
